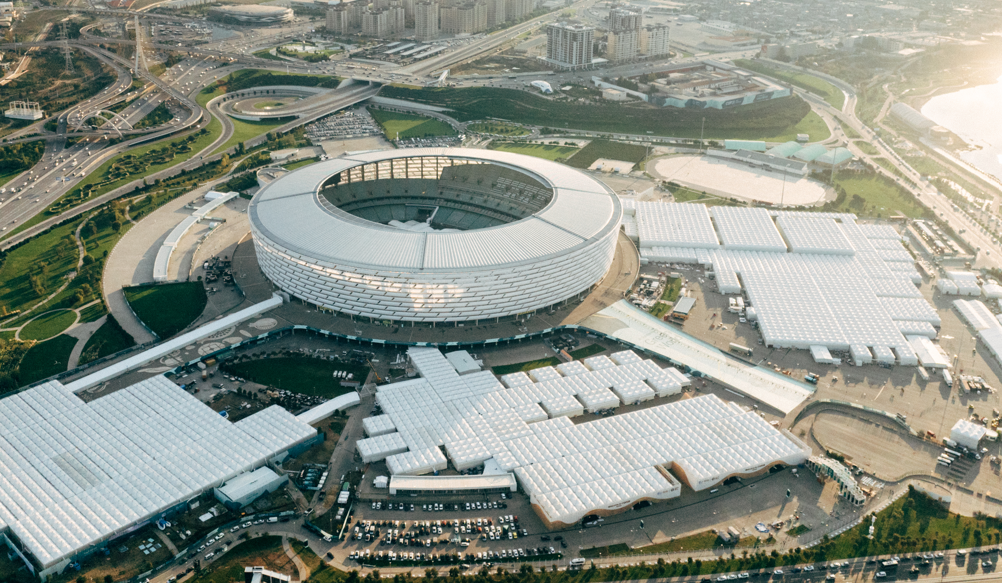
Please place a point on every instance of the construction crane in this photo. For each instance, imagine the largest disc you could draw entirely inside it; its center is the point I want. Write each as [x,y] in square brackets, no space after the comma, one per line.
[379,379]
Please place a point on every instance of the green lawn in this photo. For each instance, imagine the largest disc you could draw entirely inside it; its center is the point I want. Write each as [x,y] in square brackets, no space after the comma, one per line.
[265,551]
[751,122]
[525,366]
[37,268]
[700,541]
[545,151]
[878,196]
[867,147]
[811,124]
[109,339]
[159,116]
[404,125]
[92,313]
[300,163]
[186,301]
[849,132]
[585,352]
[672,289]
[497,128]
[111,174]
[48,325]
[245,130]
[46,359]
[299,374]
[266,54]
[660,309]
[832,94]
[610,151]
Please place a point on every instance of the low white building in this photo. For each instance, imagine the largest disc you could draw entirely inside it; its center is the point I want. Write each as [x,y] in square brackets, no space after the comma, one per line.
[968,434]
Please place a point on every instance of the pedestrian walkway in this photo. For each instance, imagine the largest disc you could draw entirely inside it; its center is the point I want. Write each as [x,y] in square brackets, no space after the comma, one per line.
[304,571]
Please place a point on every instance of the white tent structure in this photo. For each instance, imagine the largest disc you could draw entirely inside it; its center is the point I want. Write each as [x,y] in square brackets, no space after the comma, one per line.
[814,279]
[75,474]
[930,355]
[570,470]
[967,434]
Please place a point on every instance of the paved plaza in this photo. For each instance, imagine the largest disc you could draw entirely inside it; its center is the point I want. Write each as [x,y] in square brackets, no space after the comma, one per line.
[741,181]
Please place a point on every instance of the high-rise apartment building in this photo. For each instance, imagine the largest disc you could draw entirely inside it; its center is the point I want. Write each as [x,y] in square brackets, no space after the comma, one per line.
[344,18]
[469,18]
[382,22]
[569,44]
[425,21]
[623,19]
[654,40]
[623,45]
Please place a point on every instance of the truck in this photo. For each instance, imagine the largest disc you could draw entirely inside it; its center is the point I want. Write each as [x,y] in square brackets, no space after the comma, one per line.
[812,378]
[947,378]
[889,564]
[922,372]
[743,350]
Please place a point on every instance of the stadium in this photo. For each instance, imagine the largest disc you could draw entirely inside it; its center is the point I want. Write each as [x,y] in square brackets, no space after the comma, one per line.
[252,14]
[435,234]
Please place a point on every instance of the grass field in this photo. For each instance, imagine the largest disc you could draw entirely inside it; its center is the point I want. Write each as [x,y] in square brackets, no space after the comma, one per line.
[812,125]
[92,313]
[300,163]
[880,196]
[525,366]
[672,289]
[753,122]
[48,325]
[265,551]
[545,151]
[497,128]
[404,125]
[266,54]
[101,181]
[609,150]
[660,309]
[109,339]
[186,301]
[867,147]
[586,351]
[699,541]
[46,359]
[245,130]
[833,95]
[299,374]
[46,258]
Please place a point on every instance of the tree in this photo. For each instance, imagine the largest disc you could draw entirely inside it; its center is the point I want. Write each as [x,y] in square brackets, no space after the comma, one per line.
[108,579]
[116,226]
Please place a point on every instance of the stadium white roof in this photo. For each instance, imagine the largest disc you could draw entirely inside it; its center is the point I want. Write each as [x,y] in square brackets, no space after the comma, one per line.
[289,212]
[570,470]
[73,474]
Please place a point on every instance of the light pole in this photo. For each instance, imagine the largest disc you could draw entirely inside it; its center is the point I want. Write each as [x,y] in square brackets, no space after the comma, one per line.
[701,126]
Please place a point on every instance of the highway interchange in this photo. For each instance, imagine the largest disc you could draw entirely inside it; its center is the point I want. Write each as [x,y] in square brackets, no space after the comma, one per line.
[62,167]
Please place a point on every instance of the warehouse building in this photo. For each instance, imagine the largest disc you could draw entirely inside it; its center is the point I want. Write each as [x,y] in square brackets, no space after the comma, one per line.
[75,475]
[814,279]
[521,425]
[248,487]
